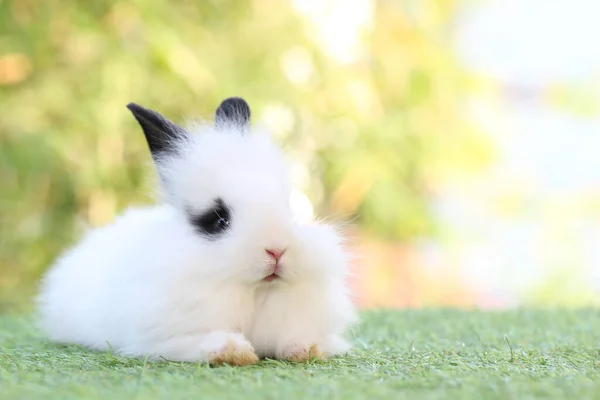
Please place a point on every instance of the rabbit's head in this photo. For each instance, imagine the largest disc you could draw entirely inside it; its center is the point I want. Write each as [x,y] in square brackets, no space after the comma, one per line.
[230,185]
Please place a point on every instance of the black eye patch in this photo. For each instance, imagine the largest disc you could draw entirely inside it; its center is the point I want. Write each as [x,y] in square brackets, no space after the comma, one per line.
[214,221]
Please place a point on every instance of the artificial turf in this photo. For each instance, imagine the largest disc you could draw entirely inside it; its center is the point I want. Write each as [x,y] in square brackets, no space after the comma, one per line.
[416,354]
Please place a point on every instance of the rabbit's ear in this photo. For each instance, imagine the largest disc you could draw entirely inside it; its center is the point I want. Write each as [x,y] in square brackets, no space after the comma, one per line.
[161,134]
[233,112]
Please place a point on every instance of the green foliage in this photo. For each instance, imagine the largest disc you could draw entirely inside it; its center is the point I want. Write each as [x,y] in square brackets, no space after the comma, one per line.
[430,354]
[368,138]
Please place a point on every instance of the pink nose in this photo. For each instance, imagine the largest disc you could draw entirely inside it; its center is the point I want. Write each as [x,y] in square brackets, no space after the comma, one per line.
[275,253]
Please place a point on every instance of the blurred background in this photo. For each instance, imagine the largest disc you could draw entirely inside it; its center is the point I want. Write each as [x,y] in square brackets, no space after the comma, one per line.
[460,137]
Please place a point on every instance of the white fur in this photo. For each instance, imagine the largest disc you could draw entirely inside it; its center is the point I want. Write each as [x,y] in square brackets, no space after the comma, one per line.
[149,285]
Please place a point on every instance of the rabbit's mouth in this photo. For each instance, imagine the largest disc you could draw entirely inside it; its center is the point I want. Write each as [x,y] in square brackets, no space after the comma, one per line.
[274,273]
[271,278]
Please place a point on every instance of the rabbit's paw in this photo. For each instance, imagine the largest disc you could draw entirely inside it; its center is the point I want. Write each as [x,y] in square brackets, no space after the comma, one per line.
[299,353]
[234,352]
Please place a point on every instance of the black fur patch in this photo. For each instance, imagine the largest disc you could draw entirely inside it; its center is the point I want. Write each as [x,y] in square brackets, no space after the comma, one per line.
[233,111]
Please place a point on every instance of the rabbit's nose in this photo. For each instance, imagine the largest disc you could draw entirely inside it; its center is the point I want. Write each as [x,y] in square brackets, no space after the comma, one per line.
[275,253]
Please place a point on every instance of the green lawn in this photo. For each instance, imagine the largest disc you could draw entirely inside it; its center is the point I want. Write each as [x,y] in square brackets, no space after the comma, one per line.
[437,354]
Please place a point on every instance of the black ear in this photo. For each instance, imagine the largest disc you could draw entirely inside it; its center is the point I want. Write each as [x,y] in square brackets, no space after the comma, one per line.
[234,112]
[161,134]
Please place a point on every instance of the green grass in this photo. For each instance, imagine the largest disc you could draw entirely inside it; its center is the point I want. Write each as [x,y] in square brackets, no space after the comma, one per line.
[436,354]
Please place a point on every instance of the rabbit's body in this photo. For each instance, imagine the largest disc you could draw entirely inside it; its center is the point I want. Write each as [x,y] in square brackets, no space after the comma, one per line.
[194,278]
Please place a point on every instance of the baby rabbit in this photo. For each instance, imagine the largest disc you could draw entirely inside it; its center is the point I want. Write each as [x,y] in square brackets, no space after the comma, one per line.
[219,272]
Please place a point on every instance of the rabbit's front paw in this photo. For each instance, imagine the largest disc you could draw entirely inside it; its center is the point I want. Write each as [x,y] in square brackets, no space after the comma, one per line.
[235,352]
[299,353]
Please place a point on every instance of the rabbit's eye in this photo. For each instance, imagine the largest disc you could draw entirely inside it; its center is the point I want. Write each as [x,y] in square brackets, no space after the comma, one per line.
[214,221]
[222,223]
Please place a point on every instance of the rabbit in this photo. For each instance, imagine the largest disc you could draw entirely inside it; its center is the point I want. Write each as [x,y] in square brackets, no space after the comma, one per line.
[218,272]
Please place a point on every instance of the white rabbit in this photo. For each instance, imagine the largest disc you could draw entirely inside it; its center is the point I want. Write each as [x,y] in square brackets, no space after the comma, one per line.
[219,272]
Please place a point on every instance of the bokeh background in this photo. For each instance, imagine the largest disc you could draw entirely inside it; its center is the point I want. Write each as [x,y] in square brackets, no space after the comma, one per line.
[461,138]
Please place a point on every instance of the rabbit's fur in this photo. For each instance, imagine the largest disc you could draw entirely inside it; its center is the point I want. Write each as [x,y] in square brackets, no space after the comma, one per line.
[190,279]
